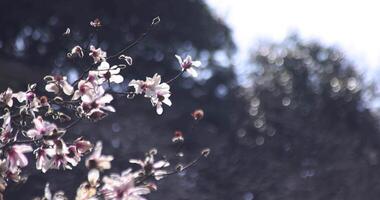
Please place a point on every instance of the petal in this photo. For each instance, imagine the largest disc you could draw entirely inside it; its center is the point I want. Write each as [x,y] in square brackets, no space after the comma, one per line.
[160,164]
[67,88]
[104,66]
[107,98]
[76,95]
[167,102]
[32,133]
[159,109]
[52,87]
[192,72]
[179,59]
[196,63]
[20,96]
[116,78]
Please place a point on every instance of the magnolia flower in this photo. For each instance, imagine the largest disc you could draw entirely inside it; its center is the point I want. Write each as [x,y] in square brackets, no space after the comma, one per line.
[149,167]
[94,105]
[122,187]
[16,157]
[56,83]
[6,128]
[150,87]
[61,157]
[109,74]
[43,161]
[162,97]
[6,97]
[97,54]
[158,92]
[82,145]
[87,190]
[188,65]
[97,160]
[85,87]
[41,128]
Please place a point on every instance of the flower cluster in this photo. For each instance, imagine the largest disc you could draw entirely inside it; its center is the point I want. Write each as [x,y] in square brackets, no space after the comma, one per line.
[32,121]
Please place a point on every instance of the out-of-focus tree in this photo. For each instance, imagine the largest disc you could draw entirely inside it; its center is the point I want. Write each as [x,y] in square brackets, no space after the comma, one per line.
[308,133]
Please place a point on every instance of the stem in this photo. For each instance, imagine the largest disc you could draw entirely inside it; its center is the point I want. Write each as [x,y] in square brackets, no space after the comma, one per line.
[175,77]
[73,123]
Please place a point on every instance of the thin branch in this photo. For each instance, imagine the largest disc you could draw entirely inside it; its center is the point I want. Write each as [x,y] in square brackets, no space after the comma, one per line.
[175,77]
[134,43]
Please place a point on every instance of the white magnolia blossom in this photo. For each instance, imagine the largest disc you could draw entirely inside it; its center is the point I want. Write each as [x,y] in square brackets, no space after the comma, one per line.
[16,157]
[86,87]
[122,187]
[56,83]
[188,65]
[149,166]
[94,105]
[97,54]
[152,88]
[41,128]
[97,160]
[60,157]
[105,73]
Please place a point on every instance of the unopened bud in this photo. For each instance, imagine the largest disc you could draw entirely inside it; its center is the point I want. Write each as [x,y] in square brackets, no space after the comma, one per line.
[205,152]
[198,114]
[156,20]
[179,167]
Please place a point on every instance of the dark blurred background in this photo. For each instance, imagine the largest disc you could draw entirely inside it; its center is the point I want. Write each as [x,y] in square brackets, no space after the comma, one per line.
[301,129]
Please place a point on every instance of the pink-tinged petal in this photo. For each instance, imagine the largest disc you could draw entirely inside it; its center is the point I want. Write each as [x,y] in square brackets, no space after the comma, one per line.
[192,72]
[23,161]
[10,103]
[52,87]
[139,191]
[116,78]
[179,59]
[32,133]
[87,98]
[23,148]
[197,63]
[67,88]
[38,123]
[107,98]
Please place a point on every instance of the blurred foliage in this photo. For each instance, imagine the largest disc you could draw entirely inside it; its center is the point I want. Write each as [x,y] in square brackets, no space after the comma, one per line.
[308,132]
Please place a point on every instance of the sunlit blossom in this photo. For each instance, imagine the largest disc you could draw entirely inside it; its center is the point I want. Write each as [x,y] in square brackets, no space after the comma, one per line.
[188,65]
